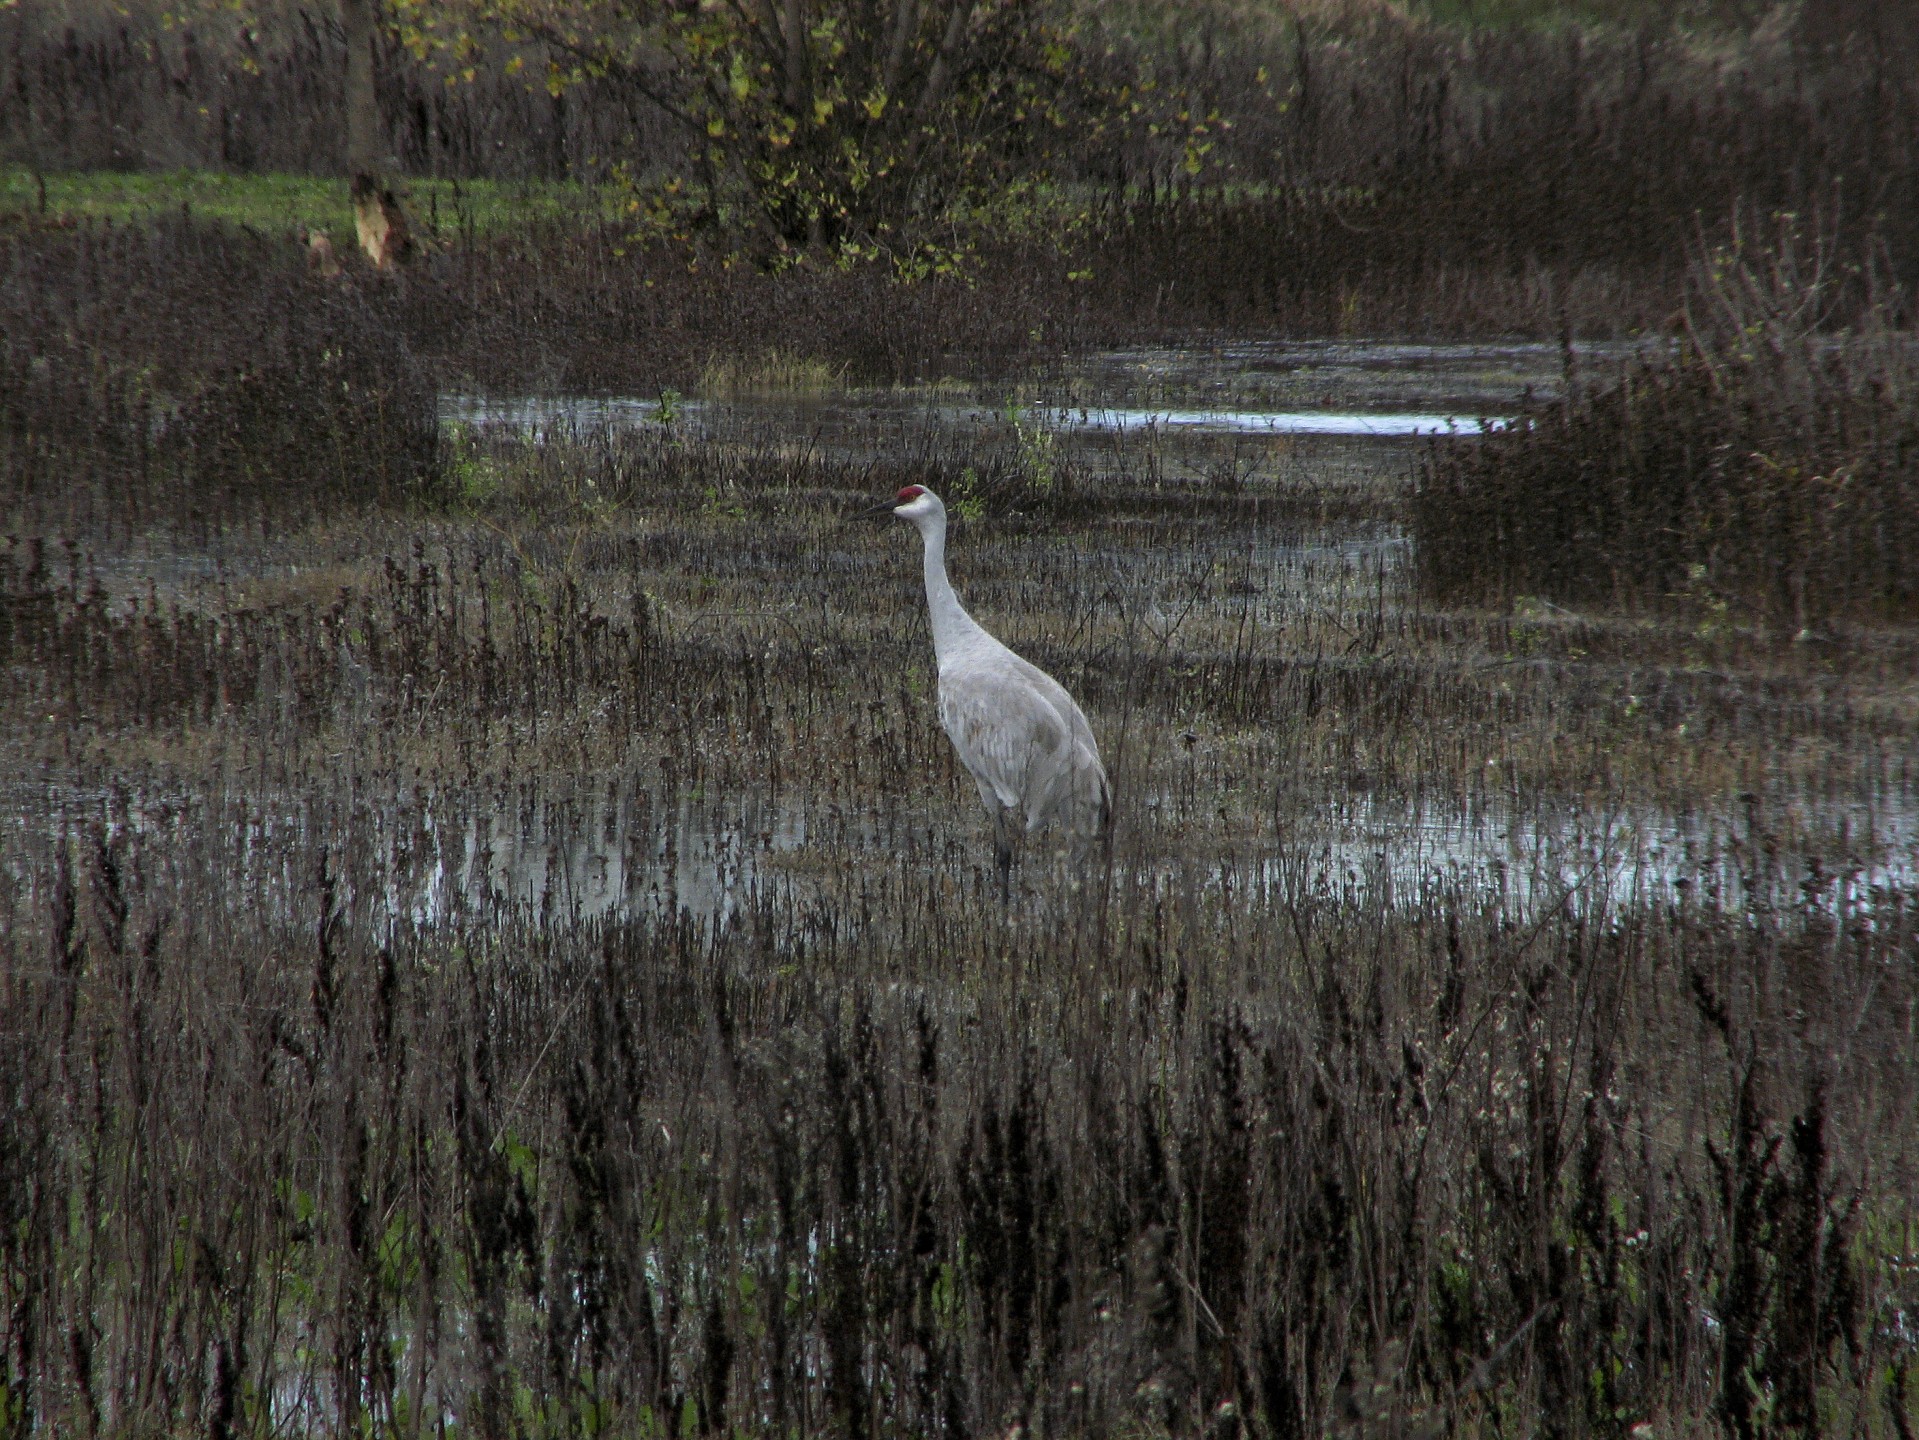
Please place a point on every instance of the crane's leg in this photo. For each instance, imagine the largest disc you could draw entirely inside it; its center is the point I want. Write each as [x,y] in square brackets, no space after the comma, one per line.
[1003,853]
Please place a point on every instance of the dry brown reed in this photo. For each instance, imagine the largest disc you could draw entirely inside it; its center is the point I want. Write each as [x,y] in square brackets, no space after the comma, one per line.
[887,1165]
[177,377]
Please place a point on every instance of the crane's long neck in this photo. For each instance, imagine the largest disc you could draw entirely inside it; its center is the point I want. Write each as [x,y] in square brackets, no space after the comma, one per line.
[952,626]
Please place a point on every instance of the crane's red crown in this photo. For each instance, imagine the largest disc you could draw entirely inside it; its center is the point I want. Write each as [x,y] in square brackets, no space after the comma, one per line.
[911,492]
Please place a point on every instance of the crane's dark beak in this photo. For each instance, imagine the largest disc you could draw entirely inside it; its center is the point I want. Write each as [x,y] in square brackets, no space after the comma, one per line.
[873,512]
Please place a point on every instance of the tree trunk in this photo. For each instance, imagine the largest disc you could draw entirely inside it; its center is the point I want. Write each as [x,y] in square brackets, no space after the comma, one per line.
[377,214]
[365,147]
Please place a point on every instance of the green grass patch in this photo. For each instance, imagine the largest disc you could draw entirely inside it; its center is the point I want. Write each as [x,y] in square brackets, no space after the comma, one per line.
[296,202]
[282,201]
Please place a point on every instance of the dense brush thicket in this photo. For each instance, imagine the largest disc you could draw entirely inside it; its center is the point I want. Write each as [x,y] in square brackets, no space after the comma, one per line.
[170,373]
[178,368]
[1764,463]
[1568,158]
[1374,153]
[265,92]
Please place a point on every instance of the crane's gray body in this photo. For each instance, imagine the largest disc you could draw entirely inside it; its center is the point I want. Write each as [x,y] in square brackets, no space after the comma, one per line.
[1018,733]
[1022,739]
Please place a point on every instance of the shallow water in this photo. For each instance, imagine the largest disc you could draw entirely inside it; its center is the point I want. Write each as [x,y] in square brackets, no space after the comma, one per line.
[559,850]
[1334,388]
[1367,376]
[553,852]
[846,417]
[1265,422]
[1359,388]
[1379,401]
[1832,861]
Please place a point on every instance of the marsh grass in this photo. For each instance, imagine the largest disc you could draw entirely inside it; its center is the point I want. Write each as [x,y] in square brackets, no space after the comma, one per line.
[814,1169]
[776,372]
[191,380]
[1232,1132]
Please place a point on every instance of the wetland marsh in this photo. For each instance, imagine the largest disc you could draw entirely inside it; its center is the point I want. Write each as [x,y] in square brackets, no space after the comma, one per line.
[520,954]
[494,940]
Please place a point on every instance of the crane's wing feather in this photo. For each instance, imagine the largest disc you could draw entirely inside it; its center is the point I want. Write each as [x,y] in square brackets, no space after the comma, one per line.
[1004,729]
[1023,740]
[1061,701]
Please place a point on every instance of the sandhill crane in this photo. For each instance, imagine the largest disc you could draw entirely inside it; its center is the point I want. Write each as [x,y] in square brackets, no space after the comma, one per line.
[1018,733]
